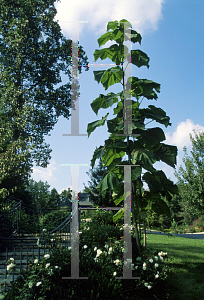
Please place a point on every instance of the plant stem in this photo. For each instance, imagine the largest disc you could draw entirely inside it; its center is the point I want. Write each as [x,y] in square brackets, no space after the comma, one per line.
[134,193]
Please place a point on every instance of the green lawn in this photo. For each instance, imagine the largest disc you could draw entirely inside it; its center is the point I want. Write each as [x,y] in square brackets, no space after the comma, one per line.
[186,261]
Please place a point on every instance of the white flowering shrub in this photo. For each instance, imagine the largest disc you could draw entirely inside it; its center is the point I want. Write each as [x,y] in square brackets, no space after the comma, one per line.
[102,264]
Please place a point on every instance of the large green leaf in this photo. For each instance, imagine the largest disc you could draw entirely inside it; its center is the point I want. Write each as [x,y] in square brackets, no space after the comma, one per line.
[112,25]
[118,215]
[138,58]
[111,154]
[97,154]
[118,193]
[113,52]
[144,87]
[108,183]
[144,157]
[138,124]
[161,208]
[112,125]
[135,37]
[167,153]
[104,101]
[92,126]
[116,161]
[117,145]
[98,75]
[158,182]
[158,205]
[152,136]
[119,109]
[114,35]
[117,124]
[136,172]
[155,113]
[109,77]
[112,76]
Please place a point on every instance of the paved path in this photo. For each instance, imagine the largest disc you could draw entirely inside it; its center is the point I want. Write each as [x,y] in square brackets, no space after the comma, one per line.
[198,236]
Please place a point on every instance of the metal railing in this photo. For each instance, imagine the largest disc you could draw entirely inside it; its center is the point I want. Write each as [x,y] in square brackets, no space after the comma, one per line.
[31,221]
[10,221]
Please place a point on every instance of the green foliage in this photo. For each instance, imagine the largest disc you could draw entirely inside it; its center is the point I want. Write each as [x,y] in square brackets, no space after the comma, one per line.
[66,194]
[50,219]
[40,193]
[197,226]
[148,146]
[96,175]
[54,199]
[42,279]
[33,56]
[29,222]
[102,217]
[191,179]
[99,234]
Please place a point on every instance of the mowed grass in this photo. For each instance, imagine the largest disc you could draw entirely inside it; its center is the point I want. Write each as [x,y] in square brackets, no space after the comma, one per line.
[186,261]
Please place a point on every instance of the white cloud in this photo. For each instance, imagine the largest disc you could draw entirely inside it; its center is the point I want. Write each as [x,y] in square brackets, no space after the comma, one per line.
[180,137]
[144,15]
[45,174]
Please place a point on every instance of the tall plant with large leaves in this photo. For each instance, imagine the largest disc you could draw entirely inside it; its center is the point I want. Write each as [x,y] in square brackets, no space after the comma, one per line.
[144,150]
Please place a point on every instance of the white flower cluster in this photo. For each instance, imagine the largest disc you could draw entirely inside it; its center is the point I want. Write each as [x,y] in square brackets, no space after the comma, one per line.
[162,253]
[10,266]
[50,271]
[147,285]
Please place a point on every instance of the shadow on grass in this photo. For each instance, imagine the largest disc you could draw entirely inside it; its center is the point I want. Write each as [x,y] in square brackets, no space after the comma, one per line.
[186,261]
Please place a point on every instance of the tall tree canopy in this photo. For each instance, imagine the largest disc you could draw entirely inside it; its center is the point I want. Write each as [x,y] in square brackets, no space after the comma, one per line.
[191,179]
[33,56]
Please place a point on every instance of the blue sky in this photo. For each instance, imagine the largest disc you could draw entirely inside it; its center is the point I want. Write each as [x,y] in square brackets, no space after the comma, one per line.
[172,36]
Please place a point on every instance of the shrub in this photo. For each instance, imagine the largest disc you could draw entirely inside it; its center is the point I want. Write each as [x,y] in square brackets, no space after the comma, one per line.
[43,279]
[53,218]
[197,225]
[102,217]
[101,260]
[200,222]
[191,229]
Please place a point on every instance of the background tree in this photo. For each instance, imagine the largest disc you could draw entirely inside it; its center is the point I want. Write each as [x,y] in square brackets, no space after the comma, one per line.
[191,179]
[66,194]
[40,194]
[54,199]
[33,56]
[96,175]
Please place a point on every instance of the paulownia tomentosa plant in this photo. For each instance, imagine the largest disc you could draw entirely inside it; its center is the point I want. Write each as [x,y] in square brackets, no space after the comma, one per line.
[142,151]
